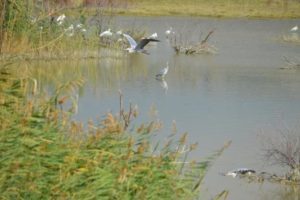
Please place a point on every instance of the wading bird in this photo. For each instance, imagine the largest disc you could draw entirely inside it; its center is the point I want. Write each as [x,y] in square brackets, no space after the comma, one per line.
[295,28]
[106,33]
[163,72]
[138,47]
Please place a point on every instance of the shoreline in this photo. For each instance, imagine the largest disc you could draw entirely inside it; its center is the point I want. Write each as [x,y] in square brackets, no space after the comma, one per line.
[257,9]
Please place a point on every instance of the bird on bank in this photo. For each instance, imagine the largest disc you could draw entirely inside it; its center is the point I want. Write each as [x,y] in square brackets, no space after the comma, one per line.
[138,47]
[163,72]
[60,19]
[106,33]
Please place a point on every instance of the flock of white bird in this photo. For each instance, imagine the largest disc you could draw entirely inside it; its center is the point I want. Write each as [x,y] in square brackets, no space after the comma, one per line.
[135,47]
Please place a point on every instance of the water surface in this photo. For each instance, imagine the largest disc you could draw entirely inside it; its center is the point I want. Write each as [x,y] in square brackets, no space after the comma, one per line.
[233,95]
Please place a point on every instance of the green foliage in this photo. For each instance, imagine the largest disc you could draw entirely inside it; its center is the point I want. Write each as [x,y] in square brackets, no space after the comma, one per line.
[29,27]
[16,17]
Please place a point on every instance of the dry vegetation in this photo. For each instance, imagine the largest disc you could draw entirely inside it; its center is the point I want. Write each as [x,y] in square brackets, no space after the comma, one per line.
[182,45]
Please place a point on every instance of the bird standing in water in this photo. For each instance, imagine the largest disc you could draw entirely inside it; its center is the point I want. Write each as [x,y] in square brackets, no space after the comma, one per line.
[163,72]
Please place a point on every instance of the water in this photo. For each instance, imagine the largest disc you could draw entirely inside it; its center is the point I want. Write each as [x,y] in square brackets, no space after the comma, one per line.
[233,95]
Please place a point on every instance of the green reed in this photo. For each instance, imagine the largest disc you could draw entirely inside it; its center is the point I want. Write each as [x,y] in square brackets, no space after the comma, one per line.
[30,29]
[46,155]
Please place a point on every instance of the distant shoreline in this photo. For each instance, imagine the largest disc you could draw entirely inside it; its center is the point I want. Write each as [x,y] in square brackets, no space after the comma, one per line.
[217,8]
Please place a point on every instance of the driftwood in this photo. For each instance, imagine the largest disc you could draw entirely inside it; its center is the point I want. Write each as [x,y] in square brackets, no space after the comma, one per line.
[207,37]
[201,47]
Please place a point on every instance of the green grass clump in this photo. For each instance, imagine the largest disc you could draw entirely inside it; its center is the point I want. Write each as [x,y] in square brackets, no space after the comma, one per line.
[45,155]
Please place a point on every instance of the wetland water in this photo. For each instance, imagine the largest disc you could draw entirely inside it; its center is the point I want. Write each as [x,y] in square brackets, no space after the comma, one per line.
[233,95]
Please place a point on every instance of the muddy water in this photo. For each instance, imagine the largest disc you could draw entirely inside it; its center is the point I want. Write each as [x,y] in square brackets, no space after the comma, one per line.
[234,95]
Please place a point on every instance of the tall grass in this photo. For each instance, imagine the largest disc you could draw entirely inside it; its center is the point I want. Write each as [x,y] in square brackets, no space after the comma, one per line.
[30,28]
[46,155]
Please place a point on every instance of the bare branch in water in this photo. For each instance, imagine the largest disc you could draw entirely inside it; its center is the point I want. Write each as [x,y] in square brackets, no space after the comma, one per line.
[202,47]
[207,36]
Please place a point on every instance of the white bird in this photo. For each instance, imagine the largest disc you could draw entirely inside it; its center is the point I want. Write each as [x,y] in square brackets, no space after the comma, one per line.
[106,33]
[295,28]
[163,72]
[138,47]
[153,36]
[60,19]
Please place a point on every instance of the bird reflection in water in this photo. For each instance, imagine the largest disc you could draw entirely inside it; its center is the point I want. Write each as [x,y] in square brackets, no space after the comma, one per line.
[163,84]
[161,77]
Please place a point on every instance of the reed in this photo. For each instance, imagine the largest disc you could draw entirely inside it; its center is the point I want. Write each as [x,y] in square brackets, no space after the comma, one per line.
[31,29]
[44,154]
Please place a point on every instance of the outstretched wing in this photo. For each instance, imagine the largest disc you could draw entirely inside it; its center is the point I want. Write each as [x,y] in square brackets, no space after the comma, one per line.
[144,42]
[131,41]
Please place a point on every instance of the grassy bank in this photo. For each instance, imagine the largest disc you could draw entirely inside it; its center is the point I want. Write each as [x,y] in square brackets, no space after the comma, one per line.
[214,8]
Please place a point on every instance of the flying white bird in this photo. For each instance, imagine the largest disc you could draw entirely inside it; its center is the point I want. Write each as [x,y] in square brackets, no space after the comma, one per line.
[138,47]
[295,28]
[106,33]
[163,72]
